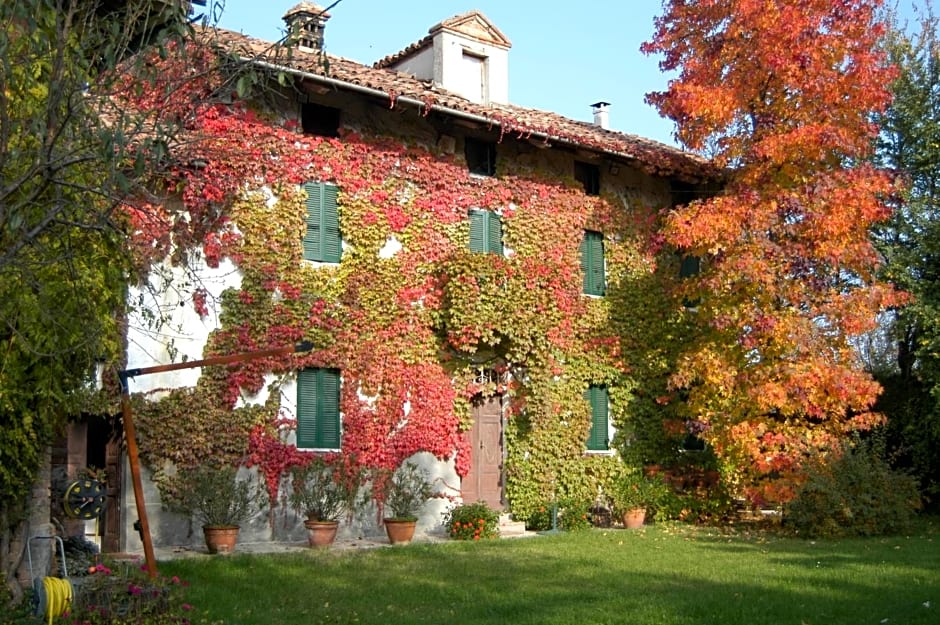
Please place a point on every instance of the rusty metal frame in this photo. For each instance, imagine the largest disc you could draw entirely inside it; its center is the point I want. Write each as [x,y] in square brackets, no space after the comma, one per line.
[130,434]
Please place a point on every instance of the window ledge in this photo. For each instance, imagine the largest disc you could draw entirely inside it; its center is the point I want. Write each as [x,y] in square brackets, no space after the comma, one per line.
[599,452]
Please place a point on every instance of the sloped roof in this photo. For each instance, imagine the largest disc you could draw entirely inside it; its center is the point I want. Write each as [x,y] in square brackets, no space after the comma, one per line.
[307,7]
[401,89]
[471,24]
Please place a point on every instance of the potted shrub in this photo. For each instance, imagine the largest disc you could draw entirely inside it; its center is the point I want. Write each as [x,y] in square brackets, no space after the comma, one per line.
[321,491]
[404,493]
[633,495]
[219,500]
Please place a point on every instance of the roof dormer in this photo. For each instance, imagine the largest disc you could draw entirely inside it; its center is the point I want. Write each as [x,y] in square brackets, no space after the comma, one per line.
[465,54]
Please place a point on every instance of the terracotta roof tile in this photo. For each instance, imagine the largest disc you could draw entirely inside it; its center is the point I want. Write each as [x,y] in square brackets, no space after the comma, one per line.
[307,7]
[651,156]
[410,49]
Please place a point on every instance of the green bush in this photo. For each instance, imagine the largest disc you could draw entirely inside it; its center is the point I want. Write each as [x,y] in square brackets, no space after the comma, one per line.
[858,494]
[699,505]
[541,519]
[473,521]
[574,515]
[216,496]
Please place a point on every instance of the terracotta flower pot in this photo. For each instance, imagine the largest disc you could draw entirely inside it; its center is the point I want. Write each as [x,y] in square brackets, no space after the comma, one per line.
[321,533]
[400,531]
[220,538]
[634,518]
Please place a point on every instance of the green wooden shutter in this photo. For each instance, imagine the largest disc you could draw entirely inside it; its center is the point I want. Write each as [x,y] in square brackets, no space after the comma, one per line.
[494,234]
[486,232]
[318,425]
[592,262]
[477,231]
[322,241]
[597,397]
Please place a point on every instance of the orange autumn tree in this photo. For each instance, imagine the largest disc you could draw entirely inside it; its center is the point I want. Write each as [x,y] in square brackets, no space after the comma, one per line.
[781,95]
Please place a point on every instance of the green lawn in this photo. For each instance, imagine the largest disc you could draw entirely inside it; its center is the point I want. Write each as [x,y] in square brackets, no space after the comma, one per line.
[664,574]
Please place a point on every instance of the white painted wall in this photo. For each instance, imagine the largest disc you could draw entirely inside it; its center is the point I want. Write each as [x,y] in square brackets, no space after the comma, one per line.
[451,67]
[419,65]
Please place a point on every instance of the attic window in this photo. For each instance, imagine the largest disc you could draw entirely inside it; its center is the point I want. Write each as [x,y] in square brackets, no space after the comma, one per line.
[481,156]
[589,176]
[320,120]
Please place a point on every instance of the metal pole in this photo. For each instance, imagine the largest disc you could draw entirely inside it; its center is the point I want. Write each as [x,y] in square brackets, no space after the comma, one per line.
[130,434]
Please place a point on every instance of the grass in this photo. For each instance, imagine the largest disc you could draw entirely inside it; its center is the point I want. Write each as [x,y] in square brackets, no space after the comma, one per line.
[660,575]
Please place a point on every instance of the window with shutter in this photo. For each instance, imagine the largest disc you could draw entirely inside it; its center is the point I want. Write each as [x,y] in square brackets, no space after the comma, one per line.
[486,232]
[592,263]
[318,422]
[597,398]
[322,242]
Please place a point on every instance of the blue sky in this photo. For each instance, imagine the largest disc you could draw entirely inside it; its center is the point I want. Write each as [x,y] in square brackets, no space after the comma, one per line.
[564,57]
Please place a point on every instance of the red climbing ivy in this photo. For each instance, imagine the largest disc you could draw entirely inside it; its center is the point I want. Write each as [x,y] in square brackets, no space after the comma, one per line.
[410,330]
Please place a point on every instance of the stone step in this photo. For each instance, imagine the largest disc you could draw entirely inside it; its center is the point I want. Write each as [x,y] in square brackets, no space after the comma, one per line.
[509,528]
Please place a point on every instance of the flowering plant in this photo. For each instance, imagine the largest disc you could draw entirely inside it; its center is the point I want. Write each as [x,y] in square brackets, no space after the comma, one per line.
[121,593]
[473,521]
[574,515]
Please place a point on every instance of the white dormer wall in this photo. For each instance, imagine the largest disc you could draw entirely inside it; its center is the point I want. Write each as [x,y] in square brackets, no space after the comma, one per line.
[465,55]
[473,69]
[420,65]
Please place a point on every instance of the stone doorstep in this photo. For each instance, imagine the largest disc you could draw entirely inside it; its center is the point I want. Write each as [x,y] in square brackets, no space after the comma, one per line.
[509,528]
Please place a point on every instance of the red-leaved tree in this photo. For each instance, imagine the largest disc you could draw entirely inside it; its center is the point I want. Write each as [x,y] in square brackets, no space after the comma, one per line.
[781,94]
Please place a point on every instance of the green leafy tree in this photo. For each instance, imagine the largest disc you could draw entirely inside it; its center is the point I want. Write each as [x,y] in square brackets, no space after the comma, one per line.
[910,244]
[70,165]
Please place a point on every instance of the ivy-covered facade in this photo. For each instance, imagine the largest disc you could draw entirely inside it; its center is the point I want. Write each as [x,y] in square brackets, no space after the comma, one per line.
[483,286]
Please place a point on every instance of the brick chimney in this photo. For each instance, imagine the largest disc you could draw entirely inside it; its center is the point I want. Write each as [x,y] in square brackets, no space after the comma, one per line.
[307,21]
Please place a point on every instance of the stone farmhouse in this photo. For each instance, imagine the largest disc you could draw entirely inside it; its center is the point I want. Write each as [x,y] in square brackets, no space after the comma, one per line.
[479,280]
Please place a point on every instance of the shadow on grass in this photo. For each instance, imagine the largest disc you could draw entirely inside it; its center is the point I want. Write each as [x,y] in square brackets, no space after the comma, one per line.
[655,576]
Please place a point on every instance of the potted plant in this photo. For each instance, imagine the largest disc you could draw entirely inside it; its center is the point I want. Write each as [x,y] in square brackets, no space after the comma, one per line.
[321,491]
[404,493]
[633,495]
[219,500]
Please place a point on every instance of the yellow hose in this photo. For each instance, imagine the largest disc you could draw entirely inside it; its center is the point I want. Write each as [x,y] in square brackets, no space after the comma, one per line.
[58,597]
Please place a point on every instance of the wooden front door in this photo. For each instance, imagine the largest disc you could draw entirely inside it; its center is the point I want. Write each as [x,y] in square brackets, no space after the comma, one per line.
[484,482]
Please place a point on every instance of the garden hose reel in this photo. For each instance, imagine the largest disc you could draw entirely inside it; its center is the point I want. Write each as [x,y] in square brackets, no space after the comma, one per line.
[52,596]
